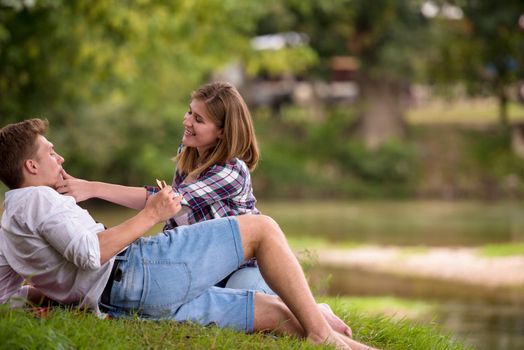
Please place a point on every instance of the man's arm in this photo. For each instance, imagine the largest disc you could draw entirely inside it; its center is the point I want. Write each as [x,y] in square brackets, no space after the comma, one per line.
[131,197]
[158,208]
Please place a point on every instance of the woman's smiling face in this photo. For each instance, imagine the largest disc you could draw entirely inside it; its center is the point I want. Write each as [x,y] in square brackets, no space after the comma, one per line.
[199,131]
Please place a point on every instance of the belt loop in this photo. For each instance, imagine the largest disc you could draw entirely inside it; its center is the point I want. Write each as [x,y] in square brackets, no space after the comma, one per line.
[122,256]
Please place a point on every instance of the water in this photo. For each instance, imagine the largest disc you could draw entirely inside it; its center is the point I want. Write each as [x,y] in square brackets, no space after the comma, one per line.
[431,223]
[483,325]
[483,318]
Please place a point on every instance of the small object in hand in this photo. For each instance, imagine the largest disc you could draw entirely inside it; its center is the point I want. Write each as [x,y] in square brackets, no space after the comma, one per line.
[162,184]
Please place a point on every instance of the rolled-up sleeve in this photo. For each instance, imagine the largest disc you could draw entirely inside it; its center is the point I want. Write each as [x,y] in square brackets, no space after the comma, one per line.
[72,240]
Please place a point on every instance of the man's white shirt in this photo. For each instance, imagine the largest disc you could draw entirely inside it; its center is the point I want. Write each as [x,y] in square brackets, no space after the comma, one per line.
[47,239]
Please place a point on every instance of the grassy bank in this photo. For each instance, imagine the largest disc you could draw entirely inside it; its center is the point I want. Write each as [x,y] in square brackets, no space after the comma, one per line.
[73,329]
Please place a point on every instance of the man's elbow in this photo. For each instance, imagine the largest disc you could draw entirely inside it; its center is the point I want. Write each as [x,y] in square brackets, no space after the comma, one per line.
[92,262]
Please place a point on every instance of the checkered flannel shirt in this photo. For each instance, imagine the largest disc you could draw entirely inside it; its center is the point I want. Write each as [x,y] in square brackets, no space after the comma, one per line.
[221,190]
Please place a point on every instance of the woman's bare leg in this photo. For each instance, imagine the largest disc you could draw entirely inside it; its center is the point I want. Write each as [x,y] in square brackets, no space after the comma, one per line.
[271,314]
[262,238]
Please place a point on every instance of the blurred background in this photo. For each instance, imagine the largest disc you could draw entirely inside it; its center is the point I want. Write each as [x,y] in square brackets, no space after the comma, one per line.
[389,129]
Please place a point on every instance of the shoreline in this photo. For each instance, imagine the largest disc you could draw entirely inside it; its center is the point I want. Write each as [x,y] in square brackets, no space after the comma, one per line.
[431,273]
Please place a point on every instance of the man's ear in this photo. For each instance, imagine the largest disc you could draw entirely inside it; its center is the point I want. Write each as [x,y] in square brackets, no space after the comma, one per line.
[31,166]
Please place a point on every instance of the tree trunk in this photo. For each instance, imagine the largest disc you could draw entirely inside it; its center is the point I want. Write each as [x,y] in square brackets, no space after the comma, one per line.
[381,115]
[503,108]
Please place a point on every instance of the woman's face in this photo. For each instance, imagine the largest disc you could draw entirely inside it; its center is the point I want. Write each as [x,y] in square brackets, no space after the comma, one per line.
[199,131]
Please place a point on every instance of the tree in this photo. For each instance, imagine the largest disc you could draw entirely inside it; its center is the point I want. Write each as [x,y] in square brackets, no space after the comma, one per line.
[115,77]
[484,49]
[387,36]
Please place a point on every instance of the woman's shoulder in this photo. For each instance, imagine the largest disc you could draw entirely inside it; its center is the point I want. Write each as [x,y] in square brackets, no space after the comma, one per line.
[231,166]
[237,165]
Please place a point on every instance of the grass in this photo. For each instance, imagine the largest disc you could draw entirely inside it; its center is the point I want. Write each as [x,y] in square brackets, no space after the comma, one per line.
[480,111]
[396,308]
[498,250]
[74,329]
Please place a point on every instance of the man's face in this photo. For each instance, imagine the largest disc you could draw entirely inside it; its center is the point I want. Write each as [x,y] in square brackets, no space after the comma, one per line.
[48,162]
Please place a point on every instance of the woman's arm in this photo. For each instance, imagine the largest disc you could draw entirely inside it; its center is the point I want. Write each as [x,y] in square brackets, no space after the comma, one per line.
[131,197]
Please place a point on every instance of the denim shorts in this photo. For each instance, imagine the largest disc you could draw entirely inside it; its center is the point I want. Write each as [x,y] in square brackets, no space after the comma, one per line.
[249,278]
[172,276]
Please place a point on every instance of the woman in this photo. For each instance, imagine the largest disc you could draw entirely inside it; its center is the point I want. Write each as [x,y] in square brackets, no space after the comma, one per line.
[217,153]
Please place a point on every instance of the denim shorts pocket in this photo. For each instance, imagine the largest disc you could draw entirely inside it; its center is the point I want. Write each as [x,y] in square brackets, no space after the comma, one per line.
[166,286]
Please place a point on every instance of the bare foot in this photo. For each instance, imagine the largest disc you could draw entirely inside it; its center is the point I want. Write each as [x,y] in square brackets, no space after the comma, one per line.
[355,345]
[334,339]
[334,321]
[343,330]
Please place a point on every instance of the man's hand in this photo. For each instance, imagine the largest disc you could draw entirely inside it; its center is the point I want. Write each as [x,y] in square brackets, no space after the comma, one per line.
[79,189]
[163,205]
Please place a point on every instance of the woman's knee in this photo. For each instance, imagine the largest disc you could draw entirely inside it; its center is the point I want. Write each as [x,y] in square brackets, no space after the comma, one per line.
[249,278]
[254,228]
[270,227]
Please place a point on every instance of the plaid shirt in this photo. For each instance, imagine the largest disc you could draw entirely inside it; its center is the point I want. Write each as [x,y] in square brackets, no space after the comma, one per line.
[221,190]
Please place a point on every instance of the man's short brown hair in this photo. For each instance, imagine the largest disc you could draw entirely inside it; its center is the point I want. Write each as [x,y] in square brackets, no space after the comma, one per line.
[17,144]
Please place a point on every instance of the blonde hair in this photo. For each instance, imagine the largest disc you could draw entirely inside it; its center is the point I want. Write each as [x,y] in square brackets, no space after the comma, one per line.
[228,111]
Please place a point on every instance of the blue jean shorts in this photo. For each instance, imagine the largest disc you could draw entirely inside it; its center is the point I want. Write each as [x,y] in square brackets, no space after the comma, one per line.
[172,276]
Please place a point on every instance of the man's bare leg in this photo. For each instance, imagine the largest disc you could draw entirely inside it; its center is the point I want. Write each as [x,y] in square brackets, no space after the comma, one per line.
[262,238]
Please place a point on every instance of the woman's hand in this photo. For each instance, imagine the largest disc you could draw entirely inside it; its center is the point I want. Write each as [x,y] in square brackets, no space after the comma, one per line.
[79,189]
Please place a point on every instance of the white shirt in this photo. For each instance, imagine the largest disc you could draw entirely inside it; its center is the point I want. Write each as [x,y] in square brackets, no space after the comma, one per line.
[52,243]
[11,289]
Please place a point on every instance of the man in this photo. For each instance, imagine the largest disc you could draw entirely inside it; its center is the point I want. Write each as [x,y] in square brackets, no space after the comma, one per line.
[55,245]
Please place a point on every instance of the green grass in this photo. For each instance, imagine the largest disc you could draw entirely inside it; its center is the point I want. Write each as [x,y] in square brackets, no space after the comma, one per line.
[497,250]
[74,329]
[479,111]
[397,308]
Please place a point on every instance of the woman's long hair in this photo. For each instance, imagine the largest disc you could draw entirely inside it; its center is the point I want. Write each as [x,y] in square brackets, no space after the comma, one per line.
[228,111]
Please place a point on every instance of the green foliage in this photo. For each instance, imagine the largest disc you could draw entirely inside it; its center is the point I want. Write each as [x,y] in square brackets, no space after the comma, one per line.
[392,162]
[483,50]
[274,63]
[388,37]
[310,158]
[113,78]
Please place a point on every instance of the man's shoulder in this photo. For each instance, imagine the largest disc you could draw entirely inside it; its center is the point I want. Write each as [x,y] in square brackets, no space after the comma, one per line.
[32,191]
[34,194]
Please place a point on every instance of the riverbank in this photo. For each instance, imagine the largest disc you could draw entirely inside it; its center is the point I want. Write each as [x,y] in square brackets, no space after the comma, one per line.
[425,272]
